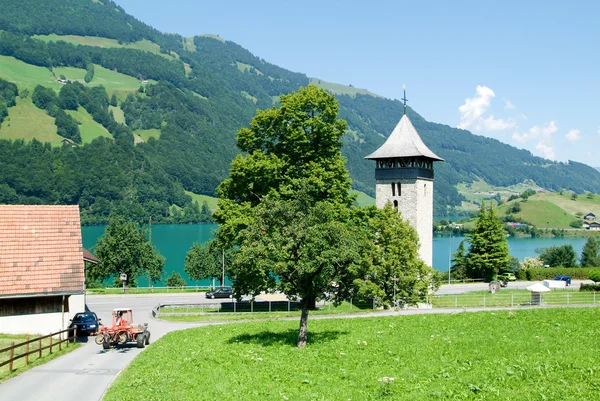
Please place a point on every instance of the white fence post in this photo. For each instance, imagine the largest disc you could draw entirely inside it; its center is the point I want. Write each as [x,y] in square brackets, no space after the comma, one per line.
[512,300]
[288,305]
[456,301]
[594,297]
[269,306]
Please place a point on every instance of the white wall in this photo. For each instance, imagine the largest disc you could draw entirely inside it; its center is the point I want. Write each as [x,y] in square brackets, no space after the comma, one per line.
[42,323]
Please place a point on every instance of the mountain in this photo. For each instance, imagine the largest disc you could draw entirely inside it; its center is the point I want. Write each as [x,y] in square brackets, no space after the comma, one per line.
[132,118]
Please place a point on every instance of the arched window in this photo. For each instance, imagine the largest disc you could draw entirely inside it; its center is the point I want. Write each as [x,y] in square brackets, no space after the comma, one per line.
[399,189]
[396,204]
[424,189]
[393,189]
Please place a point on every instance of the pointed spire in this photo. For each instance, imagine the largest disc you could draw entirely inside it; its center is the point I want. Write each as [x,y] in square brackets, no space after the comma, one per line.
[404,98]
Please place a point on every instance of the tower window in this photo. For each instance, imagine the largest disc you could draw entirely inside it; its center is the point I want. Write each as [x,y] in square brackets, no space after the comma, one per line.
[396,204]
[424,189]
[393,189]
[399,189]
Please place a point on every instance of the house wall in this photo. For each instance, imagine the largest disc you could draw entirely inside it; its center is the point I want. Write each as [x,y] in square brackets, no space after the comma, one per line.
[42,323]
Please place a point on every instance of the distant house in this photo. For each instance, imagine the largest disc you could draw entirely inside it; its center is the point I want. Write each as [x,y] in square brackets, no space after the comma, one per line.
[41,268]
[67,141]
[594,226]
[586,225]
[590,216]
[144,82]
[62,81]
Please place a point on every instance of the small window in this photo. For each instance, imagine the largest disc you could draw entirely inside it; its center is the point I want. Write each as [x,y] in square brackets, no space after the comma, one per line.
[395,204]
[425,189]
[399,189]
[393,189]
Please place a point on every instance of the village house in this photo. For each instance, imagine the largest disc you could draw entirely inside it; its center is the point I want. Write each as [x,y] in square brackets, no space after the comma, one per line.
[590,216]
[594,226]
[42,277]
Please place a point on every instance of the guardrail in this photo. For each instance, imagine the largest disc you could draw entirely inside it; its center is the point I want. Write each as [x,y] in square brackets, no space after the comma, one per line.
[11,350]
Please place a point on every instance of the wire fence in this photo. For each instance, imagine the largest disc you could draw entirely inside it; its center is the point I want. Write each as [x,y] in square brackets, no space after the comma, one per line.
[557,298]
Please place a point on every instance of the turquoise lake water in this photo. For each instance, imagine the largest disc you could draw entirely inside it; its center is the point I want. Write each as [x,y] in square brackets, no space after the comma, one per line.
[174,241]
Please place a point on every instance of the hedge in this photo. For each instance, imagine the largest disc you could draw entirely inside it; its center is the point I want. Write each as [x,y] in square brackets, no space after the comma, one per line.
[590,287]
[576,273]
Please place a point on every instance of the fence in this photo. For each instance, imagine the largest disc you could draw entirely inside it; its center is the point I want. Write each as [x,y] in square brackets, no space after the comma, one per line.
[148,290]
[36,350]
[459,301]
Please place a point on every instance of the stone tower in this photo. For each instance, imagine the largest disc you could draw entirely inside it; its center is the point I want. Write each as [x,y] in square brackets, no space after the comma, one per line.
[404,177]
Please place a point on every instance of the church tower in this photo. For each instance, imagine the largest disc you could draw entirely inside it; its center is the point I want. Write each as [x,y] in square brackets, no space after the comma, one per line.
[404,177]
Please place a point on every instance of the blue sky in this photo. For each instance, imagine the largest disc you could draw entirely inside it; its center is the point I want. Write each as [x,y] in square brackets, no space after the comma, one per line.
[524,72]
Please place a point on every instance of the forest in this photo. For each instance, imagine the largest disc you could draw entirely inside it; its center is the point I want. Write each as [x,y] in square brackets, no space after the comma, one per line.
[205,91]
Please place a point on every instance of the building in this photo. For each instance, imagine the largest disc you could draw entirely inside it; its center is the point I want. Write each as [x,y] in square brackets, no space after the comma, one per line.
[590,216]
[404,177]
[594,226]
[41,268]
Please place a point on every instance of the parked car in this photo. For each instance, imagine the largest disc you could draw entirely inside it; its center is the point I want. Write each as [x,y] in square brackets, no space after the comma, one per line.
[87,323]
[563,278]
[508,276]
[223,292]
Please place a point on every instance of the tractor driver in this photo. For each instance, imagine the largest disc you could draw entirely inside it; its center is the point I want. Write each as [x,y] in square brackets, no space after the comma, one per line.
[120,319]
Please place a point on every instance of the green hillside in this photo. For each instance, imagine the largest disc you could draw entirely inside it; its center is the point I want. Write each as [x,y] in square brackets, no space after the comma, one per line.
[198,93]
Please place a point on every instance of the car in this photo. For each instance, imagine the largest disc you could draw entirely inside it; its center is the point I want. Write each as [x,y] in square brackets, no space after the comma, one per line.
[563,278]
[87,323]
[223,292]
[508,276]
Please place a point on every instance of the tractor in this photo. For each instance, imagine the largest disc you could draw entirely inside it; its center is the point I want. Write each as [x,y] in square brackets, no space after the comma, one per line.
[123,330]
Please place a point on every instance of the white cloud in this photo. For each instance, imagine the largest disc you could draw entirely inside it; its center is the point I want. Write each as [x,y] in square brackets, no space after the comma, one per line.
[471,113]
[508,105]
[545,150]
[573,135]
[543,136]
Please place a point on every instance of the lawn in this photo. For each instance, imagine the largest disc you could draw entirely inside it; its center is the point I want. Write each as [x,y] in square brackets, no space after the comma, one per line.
[25,121]
[26,76]
[510,298]
[541,213]
[508,355]
[19,365]
[88,128]
[211,201]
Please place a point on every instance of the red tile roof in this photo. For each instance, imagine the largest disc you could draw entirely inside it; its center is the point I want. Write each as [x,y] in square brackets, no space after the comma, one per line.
[40,250]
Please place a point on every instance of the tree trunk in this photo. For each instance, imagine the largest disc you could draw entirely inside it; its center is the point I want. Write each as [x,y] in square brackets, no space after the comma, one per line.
[302,333]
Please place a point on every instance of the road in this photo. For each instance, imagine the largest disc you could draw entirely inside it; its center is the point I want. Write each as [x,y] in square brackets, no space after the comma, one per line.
[86,373]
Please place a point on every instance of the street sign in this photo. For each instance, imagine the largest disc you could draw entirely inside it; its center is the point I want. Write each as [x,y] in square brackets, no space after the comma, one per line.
[123,277]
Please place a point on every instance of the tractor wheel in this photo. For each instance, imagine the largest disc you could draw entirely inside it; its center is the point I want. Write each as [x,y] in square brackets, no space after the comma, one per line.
[140,340]
[105,344]
[147,338]
[123,337]
[99,339]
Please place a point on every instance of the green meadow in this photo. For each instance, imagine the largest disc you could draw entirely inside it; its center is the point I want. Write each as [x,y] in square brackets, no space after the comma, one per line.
[25,121]
[211,201]
[545,354]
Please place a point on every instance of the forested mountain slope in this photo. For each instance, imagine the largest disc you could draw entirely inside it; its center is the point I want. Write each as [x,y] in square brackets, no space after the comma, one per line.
[177,129]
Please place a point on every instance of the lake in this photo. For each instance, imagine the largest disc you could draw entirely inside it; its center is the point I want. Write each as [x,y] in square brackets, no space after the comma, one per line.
[174,241]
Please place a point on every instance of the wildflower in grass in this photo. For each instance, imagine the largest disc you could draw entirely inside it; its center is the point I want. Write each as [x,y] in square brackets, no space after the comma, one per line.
[385,379]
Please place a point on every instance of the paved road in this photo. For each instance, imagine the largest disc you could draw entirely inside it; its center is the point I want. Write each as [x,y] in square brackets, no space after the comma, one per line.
[446,289]
[86,373]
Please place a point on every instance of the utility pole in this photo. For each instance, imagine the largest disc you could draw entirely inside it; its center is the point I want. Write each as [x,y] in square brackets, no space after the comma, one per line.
[223,275]
[450,247]
[150,235]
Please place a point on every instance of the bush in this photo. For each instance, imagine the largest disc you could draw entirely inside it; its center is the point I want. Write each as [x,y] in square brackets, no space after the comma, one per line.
[576,223]
[576,273]
[595,276]
[175,280]
[590,287]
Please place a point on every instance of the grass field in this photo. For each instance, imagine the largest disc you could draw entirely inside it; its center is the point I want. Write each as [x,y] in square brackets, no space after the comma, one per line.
[340,89]
[363,199]
[532,354]
[146,134]
[143,44]
[88,128]
[540,213]
[211,201]
[117,114]
[25,121]
[19,365]
[26,76]
[582,204]
[512,298]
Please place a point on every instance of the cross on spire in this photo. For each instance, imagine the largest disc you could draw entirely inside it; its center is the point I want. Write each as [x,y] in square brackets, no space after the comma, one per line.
[404,98]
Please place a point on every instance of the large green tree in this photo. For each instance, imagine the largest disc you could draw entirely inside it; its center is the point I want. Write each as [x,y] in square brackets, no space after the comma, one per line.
[589,254]
[459,262]
[558,256]
[488,251]
[124,249]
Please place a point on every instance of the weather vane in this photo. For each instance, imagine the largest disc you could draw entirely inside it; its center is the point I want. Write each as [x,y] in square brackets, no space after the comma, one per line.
[404,98]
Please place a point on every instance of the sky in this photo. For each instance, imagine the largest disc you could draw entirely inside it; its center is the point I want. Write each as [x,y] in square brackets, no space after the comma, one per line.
[523,72]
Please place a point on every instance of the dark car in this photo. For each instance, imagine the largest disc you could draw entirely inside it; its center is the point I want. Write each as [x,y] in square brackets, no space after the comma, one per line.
[224,292]
[563,278]
[87,323]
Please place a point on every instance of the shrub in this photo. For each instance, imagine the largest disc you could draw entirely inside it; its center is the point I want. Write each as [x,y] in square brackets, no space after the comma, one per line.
[595,276]
[590,287]
[576,223]
[577,273]
[175,280]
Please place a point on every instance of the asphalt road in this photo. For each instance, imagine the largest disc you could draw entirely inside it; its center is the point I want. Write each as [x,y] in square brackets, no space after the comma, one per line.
[86,373]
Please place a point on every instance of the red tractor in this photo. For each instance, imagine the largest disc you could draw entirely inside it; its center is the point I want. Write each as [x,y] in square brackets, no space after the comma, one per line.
[123,330]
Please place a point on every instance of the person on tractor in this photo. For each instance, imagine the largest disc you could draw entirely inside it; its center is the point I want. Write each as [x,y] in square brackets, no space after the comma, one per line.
[120,321]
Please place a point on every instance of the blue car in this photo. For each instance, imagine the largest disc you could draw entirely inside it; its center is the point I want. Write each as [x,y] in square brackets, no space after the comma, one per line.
[563,278]
[87,323]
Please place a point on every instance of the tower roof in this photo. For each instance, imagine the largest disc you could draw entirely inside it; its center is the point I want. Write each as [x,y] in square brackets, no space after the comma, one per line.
[404,142]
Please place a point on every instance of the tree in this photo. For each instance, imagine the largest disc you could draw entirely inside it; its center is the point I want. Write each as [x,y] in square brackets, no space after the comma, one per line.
[113,100]
[124,249]
[316,257]
[558,256]
[488,252]
[394,268]
[574,197]
[459,262]
[576,223]
[595,276]
[205,261]
[175,280]
[589,254]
